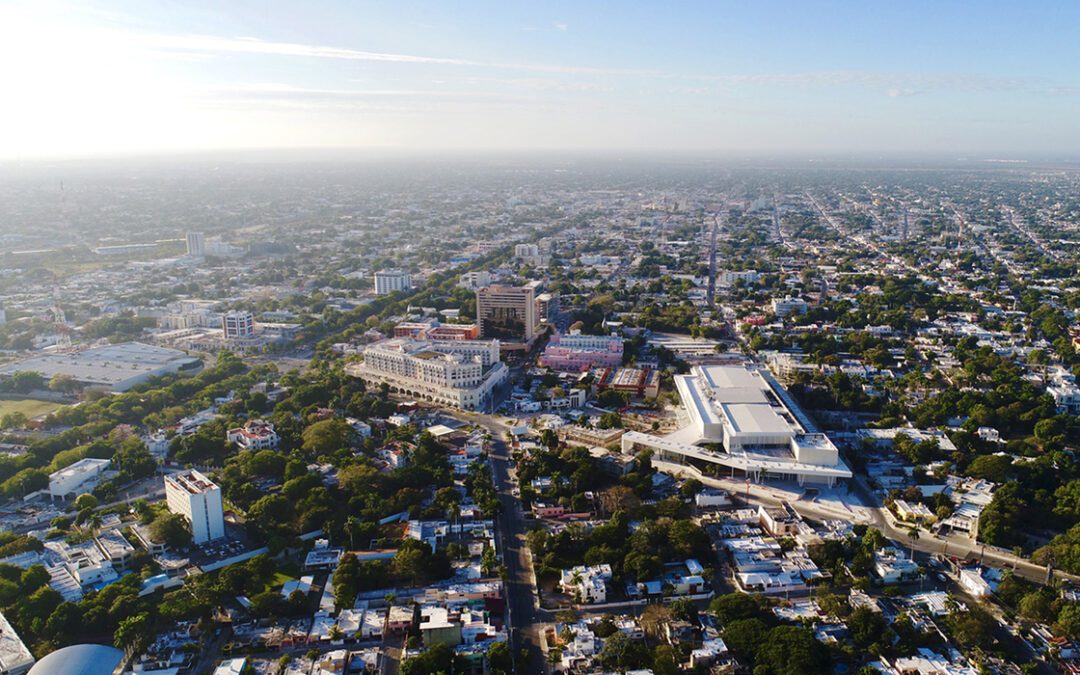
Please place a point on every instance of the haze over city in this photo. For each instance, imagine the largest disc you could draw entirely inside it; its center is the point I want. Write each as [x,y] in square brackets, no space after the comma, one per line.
[535,338]
[948,79]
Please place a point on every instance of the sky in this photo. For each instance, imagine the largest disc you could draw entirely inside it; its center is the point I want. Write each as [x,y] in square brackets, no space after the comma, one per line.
[965,79]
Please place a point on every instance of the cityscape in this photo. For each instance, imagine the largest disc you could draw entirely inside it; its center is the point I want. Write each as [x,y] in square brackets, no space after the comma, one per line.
[298,408]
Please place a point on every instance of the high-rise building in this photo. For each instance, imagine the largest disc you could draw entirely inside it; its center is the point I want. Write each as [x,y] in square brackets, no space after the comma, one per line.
[196,244]
[388,281]
[507,312]
[197,498]
[238,325]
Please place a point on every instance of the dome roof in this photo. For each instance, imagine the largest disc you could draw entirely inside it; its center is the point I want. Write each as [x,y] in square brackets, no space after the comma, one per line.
[79,660]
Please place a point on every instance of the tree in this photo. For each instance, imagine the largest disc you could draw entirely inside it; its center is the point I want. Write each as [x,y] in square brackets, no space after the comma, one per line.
[86,501]
[26,381]
[619,498]
[866,626]
[133,460]
[436,659]
[499,659]
[744,636]
[63,383]
[972,628]
[172,530]
[792,650]
[735,606]
[133,633]
[622,653]
[1068,621]
[346,581]
[326,437]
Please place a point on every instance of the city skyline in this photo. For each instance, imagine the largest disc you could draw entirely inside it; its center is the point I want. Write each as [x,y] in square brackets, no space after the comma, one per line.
[116,78]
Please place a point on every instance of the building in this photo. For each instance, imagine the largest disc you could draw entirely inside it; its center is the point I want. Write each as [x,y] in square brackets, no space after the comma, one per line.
[15,658]
[462,374]
[637,382]
[547,307]
[390,281]
[526,251]
[788,305]
[586,584]
[196,244]
[238,325]
[475,280]
[84,659]
[433,330]
[197,498]
[760,429]
[507,313]
[115,368]
[579,353]
[893,566]
[454,331]
[254,435]
[730,278]
[77,478]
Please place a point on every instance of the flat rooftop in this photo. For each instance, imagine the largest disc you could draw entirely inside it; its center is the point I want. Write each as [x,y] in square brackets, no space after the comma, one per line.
[108,365]
[755,418]
[193,482]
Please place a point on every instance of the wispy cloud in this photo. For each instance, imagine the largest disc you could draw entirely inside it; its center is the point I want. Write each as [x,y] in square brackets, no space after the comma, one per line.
[560,26]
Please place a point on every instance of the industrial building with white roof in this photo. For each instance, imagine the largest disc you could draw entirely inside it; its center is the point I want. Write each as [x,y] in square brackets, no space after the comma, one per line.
[761,430]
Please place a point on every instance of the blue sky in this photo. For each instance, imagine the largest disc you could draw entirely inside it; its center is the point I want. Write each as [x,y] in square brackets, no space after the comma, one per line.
[739,78]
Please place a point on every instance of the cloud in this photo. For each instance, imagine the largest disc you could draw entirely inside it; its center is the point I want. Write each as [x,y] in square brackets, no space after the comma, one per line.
[560,26]
[250,45]
[901,93]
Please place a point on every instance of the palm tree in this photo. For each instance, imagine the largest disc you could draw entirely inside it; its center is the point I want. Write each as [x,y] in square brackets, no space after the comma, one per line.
[913,536]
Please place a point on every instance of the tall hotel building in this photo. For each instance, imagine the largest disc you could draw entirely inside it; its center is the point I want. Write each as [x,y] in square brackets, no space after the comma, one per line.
[507,313]
[197,498]
[388,281]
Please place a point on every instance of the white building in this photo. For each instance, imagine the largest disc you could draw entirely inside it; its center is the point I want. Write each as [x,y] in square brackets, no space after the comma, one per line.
[588,584]
[198,499]
[760,428]
[236,325]
[463,374]
[77,478]
[114,367]
[475,280]
[789,305]
[388,281]
[15,658]
[730,278]
[196,244]
[254,435]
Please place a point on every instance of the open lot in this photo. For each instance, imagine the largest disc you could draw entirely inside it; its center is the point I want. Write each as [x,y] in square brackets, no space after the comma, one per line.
[28,407]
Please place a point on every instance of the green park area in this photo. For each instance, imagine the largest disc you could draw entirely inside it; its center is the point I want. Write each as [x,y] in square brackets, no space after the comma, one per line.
[28,407]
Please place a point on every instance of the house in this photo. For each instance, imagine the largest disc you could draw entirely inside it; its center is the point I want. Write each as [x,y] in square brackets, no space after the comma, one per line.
[892,566]
[254,435]
[587,584]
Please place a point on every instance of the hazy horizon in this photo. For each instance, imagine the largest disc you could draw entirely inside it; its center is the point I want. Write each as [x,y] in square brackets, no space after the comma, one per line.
[957,81]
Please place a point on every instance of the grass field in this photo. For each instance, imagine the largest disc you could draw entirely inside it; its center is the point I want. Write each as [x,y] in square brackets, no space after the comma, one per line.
[28,407]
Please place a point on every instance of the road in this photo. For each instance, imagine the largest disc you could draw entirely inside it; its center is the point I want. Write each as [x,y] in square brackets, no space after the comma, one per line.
[523,619]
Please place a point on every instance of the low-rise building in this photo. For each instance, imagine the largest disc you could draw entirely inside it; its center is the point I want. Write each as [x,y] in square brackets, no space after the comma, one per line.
[254,435]
[77,478]
[586,583]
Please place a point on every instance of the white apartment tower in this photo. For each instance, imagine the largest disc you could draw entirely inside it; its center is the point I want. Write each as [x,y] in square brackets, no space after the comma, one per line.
[196,244]
[197,498]
[388,281]
[238,325]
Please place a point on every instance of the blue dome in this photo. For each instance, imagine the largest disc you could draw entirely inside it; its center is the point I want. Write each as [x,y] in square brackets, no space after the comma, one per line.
[79,660]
